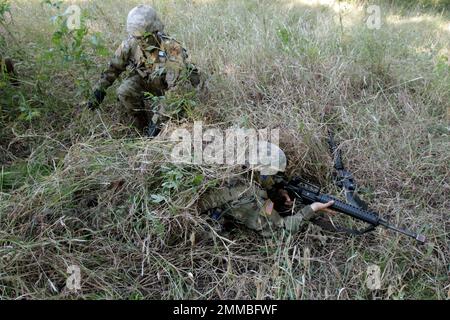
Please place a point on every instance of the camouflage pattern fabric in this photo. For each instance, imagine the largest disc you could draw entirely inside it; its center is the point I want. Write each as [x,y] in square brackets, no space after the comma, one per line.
[143,19]
[157,64]
[250,206]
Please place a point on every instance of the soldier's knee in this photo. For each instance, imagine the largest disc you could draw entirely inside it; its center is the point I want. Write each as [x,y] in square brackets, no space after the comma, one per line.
[122,93]
[129,91]
[130,100]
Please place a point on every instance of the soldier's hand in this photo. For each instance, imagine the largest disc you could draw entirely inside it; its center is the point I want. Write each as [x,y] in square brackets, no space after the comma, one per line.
[318,206]
[285,195]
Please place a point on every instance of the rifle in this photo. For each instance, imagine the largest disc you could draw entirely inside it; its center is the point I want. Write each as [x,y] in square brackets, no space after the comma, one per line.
[308,193]
[342,177]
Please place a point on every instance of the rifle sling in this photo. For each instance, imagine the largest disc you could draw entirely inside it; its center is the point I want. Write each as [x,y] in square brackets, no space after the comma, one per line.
[350,193]
[327,225]
[354,199]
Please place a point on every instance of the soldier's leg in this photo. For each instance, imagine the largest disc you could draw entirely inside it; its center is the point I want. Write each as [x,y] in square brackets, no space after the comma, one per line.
[257,213]
[131,95]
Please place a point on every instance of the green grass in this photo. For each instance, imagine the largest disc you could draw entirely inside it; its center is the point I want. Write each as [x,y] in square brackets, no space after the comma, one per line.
[82,188]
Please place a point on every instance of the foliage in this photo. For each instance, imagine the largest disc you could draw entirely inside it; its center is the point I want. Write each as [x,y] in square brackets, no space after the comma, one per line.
[5,7]
[74,46]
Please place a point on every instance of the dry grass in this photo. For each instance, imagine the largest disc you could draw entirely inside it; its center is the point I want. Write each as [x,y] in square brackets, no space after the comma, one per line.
[77,190]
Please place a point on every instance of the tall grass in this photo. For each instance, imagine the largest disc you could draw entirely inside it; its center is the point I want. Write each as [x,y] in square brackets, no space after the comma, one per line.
[82,188]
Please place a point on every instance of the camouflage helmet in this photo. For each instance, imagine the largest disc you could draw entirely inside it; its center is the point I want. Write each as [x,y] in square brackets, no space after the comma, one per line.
[143,19]
[270,159]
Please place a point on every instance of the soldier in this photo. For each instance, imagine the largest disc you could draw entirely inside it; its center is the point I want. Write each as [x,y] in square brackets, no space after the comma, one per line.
[158,64]
[264,206]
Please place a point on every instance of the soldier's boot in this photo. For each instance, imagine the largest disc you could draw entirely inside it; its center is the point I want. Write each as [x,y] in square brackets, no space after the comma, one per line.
[141,120]
[155,125]
[153,129]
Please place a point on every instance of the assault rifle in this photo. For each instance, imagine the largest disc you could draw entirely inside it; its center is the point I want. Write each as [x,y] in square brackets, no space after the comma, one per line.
[308,193]
[355,207]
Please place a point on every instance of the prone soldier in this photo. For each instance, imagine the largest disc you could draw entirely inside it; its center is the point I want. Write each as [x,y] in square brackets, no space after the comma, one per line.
[263,206]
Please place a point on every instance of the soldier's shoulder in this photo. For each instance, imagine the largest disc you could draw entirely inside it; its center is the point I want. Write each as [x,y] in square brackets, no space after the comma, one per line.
[128,44]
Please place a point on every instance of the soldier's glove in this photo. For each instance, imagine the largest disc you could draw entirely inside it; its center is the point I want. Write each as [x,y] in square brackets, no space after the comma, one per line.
[153,130]
[99,96]
[215,214]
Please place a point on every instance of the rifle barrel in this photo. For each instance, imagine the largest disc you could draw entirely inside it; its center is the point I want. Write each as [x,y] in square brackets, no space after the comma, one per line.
[419,237]
[308,196]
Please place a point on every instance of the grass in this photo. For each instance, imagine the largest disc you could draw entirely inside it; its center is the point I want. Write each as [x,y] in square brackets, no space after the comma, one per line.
[82,188]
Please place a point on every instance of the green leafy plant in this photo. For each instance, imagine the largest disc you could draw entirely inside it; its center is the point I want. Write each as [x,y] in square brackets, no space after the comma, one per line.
[5,7]
[175,104]
[15,104]
[176,179]
[77,47]
[27,112]
[173,179]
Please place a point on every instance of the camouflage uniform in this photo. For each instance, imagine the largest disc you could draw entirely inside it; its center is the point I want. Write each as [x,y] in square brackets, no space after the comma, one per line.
[157,62]
[251,206]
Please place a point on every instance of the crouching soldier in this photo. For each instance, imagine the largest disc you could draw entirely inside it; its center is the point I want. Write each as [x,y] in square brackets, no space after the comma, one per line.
[157,64]
[263,206]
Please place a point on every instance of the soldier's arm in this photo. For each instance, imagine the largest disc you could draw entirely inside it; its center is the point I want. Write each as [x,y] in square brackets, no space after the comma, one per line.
[117,65]
[293,223]
[216,198]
